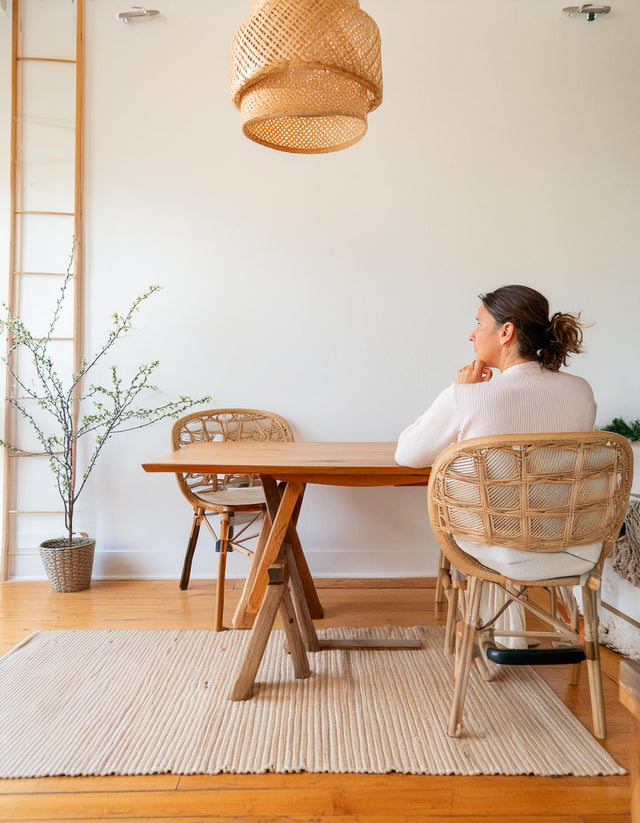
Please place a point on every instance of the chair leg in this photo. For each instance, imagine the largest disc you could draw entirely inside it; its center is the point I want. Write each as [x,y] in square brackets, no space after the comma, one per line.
[225,529]
[574,675]
[446,590]
[452,613]
[571,606]
[191,547]
[465,653]
[443,563]
[256,580]
[590,607]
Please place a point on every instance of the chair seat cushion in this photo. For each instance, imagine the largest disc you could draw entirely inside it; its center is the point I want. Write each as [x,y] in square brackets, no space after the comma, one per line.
[531,565]
[235,496]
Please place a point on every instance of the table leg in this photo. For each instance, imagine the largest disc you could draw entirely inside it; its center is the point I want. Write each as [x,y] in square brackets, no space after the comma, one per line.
[296,620]
[254,588]
[276,600]
[272,494]
[307,629]
[300,600]
[310,592]
[311,641]
[292,633]
[281,506]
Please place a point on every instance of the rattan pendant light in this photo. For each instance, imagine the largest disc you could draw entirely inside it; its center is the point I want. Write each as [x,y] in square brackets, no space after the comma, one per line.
[305,74]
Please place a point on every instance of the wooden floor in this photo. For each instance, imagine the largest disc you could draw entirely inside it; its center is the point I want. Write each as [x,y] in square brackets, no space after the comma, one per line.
[315,798]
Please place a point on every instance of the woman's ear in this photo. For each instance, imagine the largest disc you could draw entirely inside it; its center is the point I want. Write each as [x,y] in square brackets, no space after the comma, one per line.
[508,333]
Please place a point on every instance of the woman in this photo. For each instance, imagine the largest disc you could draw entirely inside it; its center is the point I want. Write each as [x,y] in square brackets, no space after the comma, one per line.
[515,336]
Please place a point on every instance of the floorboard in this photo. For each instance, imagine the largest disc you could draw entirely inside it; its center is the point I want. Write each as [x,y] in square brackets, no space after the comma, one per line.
[297,798]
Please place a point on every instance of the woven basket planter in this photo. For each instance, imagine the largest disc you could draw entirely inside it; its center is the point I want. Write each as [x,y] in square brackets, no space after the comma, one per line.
[68,567]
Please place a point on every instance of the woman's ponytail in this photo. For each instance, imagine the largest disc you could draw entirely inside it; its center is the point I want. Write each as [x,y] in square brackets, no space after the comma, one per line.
[564,337]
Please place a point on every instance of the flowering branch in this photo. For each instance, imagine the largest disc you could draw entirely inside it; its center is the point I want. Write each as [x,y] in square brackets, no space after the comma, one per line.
[113,410]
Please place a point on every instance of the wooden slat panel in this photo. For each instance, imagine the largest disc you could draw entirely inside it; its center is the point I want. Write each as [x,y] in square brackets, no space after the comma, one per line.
[113,783]
[152,804]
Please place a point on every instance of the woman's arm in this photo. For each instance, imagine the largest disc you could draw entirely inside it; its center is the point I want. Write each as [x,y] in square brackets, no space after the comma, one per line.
[439,427]
[420,443]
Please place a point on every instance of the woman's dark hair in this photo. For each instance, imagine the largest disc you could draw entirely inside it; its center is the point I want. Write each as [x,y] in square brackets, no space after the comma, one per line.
[549,341]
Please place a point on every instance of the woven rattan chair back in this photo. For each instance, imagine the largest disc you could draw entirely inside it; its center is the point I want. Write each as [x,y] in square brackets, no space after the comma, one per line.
[220,425]
[225,495]
[534,493]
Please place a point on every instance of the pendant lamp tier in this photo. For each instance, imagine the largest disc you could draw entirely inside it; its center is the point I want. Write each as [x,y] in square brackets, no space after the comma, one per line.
[306,73]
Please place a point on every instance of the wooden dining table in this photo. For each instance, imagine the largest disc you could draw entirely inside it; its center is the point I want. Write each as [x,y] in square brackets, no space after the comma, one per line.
[279,580]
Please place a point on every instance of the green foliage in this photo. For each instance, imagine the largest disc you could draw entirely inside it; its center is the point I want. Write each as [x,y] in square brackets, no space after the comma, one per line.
[110,409]
[629,430]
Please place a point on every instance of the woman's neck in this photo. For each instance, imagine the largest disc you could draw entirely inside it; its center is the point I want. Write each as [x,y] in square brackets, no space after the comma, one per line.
[510,359]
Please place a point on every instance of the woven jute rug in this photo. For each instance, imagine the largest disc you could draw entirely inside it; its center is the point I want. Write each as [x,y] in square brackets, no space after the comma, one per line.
[148,702]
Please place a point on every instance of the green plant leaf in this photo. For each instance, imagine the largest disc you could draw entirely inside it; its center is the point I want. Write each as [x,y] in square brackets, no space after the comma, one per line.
[619,426]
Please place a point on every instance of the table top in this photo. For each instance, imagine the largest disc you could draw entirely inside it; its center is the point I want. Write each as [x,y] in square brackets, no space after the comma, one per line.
[357,464]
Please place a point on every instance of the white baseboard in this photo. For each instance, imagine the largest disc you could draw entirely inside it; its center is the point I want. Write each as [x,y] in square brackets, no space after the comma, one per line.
[165,566]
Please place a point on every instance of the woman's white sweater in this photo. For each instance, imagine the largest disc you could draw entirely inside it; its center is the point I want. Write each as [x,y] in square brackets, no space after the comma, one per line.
[525,398]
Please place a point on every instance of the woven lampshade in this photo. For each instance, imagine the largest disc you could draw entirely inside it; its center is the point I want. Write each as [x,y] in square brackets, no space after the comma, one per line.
[305,74]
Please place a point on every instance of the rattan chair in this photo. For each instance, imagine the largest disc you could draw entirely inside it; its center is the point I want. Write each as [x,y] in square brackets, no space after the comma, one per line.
[532,507]
[235,499]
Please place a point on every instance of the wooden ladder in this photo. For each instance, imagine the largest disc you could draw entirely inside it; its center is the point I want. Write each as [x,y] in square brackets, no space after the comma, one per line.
[39,229]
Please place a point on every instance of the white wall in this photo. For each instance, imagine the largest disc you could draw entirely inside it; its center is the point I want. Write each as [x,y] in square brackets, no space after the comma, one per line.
[339,289]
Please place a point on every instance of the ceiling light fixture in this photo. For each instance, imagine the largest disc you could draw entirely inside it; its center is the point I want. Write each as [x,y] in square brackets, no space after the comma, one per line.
[138,11]
[589,9]
[306,73]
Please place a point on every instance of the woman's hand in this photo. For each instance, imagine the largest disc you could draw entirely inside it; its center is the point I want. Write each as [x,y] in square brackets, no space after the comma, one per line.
[476,372]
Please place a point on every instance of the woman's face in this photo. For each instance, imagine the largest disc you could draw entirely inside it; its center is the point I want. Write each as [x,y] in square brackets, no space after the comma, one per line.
[486,338]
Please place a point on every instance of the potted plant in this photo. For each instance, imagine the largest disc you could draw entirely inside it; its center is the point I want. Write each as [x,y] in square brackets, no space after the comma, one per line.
[102,411]
[632,432]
